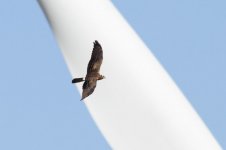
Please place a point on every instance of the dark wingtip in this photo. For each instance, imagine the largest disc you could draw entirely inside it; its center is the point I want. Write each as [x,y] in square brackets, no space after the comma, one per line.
[83,97]
[96,43]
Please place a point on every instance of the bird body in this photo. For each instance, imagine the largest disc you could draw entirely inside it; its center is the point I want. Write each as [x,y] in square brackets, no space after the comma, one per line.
[93,69]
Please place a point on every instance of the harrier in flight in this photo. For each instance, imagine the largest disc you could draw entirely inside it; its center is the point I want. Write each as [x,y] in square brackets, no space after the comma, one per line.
[92,71]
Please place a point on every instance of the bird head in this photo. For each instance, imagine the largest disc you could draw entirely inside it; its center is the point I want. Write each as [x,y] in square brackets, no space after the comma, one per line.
[101,77]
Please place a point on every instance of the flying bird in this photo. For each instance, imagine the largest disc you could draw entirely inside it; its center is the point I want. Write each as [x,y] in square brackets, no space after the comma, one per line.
[93,69]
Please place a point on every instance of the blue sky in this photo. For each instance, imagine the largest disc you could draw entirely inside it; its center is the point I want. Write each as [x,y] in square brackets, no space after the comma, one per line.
[40,108]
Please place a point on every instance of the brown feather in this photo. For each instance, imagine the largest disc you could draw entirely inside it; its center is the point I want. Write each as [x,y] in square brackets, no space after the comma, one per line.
[96,58]
[88,87]
[93,70]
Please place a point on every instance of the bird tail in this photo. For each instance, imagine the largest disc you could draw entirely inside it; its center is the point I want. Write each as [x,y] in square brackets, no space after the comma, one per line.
[76,80]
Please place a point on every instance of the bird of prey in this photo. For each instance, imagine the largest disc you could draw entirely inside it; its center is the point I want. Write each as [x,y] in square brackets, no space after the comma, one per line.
[92,71]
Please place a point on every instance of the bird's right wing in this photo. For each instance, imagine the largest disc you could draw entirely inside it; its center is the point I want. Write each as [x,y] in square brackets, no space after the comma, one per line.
[96,58]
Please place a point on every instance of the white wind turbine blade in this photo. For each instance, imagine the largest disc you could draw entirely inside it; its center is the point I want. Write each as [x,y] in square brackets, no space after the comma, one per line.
[137,106]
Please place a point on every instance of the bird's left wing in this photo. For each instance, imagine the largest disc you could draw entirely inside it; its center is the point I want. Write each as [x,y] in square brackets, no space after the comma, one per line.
[88,87]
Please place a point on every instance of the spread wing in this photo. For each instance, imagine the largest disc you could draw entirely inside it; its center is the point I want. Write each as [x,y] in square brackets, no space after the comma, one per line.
[88,87]
[93,70]
[96,58]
